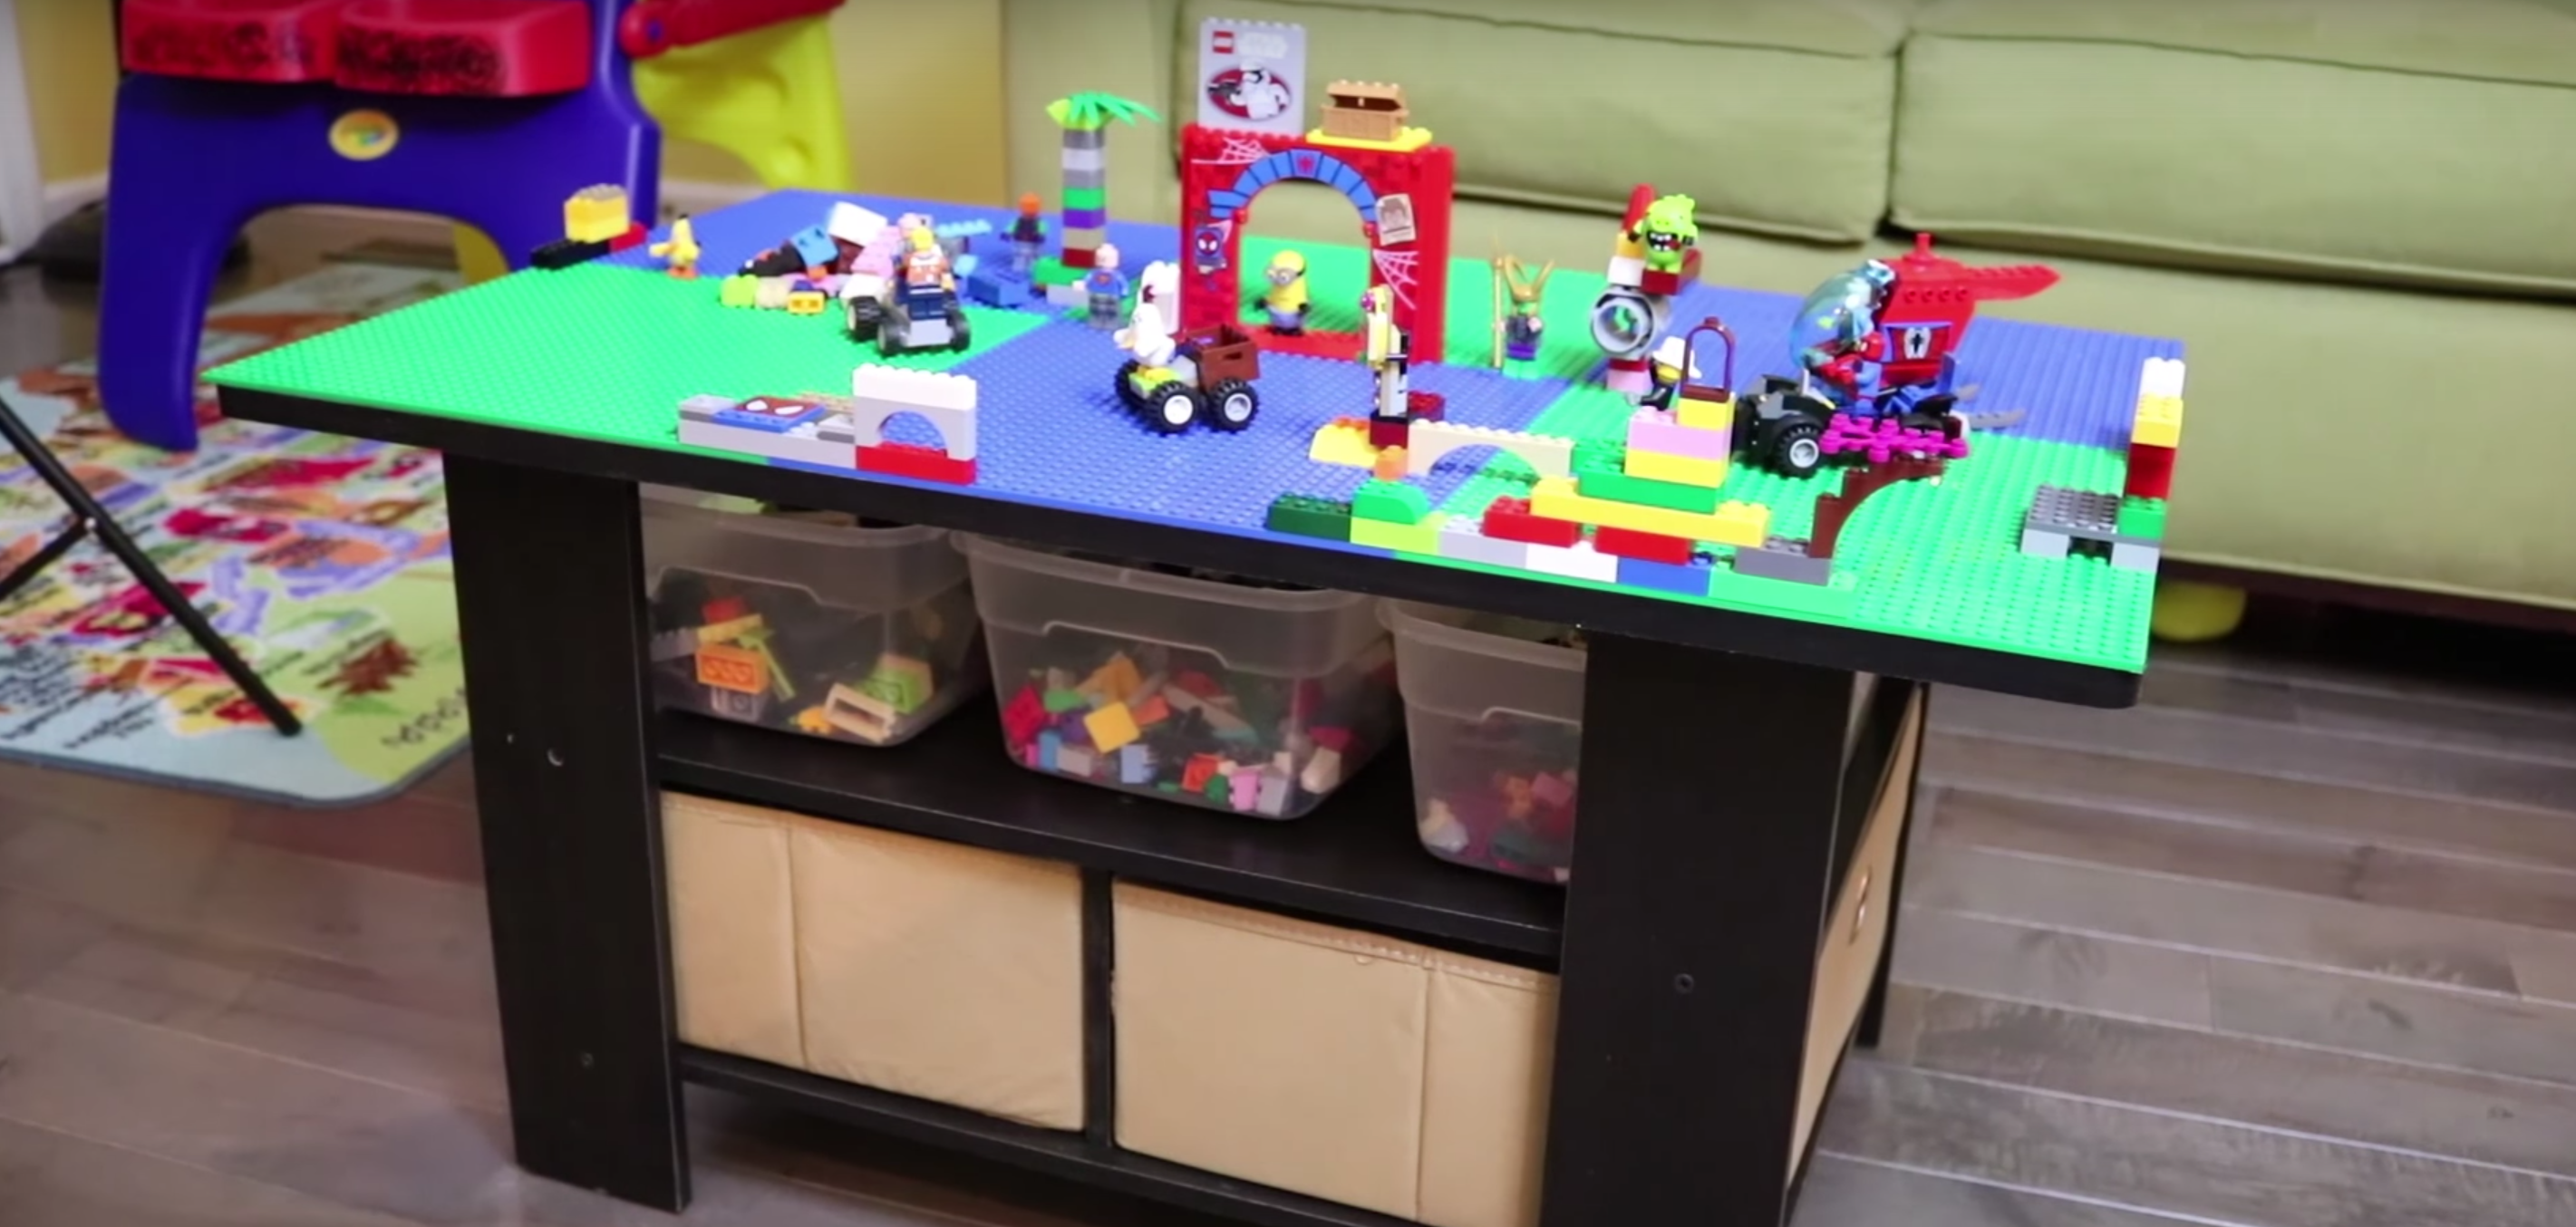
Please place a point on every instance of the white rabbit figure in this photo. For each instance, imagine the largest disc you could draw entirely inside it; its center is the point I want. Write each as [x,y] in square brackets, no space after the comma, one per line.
[1151,328]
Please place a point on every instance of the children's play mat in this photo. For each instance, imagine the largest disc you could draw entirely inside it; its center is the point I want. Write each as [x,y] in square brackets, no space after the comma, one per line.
[323,559]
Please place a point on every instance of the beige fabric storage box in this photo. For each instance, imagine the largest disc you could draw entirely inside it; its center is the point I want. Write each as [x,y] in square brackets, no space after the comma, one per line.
[1329,1062]
[925,968]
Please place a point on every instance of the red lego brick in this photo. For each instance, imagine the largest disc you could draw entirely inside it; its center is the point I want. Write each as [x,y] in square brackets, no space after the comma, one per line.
[1082,258]
[724,609]
[1646,547]
[1388,432]
[1509,519]
[2150,471]
[1425,406]
[1023,717]
[635,235]
[917,462]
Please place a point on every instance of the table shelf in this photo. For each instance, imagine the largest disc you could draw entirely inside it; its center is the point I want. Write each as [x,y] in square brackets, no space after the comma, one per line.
[1354,861]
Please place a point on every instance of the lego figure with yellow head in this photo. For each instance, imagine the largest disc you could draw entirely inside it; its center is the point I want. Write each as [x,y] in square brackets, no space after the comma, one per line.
[1286,298]
[924,264]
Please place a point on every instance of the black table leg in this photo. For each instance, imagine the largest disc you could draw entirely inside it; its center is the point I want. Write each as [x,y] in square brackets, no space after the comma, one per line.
[1873,1011]
[1700,890]
[549,574]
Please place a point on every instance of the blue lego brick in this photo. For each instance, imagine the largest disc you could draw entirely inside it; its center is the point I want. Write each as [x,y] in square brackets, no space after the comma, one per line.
[995,285]
[816,246]
[1688,579]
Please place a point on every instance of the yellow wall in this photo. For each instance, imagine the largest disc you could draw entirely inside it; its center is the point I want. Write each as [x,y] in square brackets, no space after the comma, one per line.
[71,82]
[922,95]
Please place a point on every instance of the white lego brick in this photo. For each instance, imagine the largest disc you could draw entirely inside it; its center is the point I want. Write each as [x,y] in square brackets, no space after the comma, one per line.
[703,408]
[2041,543]
[862,285]
[805,445]
[2136,556]
[1083,159]
[1578,561]
[2160,377]
[1629,271]
[1067,294]
[1427,442]
[1462,538]
[946,399]
[854,223]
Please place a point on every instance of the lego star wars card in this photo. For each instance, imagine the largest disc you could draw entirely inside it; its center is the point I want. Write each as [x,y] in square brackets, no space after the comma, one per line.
[1252,76]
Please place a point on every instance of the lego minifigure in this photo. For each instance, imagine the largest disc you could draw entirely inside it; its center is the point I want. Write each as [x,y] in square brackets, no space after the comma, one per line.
[1106,287]
[1028,234]
[680,252]
[1836,331]
[1668,232]
[1385,354]
[1286,297]
[1666,372]
[1523,323]
[925,263]
[1151,331]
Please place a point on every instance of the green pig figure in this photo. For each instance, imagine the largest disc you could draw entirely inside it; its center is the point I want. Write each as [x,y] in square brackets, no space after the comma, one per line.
[1668,232]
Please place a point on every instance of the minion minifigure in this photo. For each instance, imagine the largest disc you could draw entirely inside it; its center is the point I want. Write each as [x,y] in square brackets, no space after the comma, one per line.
[1286,297]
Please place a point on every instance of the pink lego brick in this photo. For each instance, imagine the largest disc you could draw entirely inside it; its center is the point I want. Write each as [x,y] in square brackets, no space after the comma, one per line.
[1653,430]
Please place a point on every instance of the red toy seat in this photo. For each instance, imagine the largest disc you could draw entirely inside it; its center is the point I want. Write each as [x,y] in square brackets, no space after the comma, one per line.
[479,48]
[233,40]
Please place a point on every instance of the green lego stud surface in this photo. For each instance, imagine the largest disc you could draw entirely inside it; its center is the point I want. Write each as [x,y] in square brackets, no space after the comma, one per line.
[1391,501]
[668,340]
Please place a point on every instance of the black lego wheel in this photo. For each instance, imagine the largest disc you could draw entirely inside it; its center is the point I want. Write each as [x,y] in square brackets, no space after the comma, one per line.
[1231,405]
[866,316]
[1168,407]
[1797,448]
[1125,384]
[960,333]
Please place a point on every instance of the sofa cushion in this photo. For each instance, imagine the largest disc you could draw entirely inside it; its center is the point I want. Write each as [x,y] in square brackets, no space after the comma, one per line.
[2385,140]
[1774,114]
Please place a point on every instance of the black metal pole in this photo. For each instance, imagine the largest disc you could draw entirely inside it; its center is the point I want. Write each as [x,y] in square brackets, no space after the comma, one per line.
[73,534]
[87,512]
[1701,886]
[550,591]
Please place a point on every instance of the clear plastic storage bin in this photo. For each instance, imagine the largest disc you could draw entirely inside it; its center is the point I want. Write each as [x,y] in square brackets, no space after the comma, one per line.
[851,633]
[1493,707]
[1257,700]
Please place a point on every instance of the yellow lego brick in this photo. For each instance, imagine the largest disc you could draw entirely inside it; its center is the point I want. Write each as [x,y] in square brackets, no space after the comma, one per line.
[1111,727]
[1733,523]
[1406,140]
[597,214]
[1422,538]
[1687,470]
[1343,441]
[2159,421]
[1704,415]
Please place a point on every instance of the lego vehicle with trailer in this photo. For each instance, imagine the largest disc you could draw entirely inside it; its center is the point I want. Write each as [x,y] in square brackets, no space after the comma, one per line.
[1210,379]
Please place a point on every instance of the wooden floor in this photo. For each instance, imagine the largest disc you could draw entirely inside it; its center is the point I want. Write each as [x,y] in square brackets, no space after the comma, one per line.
[2292,945]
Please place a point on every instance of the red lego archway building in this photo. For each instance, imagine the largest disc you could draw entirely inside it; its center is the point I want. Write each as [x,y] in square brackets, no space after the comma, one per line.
[1223,169]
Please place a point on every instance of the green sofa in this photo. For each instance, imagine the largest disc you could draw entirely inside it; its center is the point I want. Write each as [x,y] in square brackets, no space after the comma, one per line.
[2359,215]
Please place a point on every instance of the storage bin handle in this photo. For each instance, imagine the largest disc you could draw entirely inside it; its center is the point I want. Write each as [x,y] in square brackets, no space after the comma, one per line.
[1491,712]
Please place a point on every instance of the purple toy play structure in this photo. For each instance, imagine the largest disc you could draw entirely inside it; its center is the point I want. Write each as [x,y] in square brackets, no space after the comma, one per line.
[196,159]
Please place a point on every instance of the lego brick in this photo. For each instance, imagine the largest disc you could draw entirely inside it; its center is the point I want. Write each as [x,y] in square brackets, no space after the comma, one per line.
[1343,441]
[704,408]
[1510,519]
[1653,430]
[2150,472]
[1578,561]
[2136,556]
[1611,485]
[1704,415]
[1304,515]
[1830,601]
[1679,470]
[2077,513]
[2159,421]
[1689,579]
[1391,432]
[1461,538]
[1085,200]
[1091,159]
[1422,538]
[2142,517]
[2160,377]
[1785,559]
[852,222]
[1392,502]
[947,400]
[2045,543]
[917,462]
[1067,294]
[1732,523]
[1429,441]
[565,253]
[804,446]
[1652,547]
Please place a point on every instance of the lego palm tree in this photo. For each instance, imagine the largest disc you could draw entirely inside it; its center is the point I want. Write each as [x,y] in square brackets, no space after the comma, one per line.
[1084,225]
